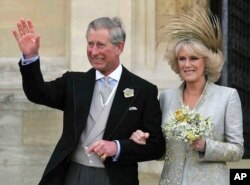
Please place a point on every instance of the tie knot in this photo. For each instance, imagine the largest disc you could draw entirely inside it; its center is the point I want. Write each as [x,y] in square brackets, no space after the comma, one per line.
[106,88]
[105,81]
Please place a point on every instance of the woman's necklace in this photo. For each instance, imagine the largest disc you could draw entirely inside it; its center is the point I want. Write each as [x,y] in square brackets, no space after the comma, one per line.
[191,99]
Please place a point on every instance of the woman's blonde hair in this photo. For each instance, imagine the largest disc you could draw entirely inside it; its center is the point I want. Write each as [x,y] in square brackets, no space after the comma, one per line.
[199,32]
[214,60]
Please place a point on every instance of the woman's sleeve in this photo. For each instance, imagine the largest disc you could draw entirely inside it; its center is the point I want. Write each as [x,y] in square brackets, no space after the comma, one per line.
[231,149]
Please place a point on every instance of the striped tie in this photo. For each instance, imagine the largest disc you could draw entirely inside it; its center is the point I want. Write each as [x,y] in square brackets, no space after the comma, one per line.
[105,89]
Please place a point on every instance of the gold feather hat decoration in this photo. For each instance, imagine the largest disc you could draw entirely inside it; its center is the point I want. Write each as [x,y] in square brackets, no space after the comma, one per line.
[200,25]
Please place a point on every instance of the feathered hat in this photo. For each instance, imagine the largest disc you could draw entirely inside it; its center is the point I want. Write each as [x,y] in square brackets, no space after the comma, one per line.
[200,26]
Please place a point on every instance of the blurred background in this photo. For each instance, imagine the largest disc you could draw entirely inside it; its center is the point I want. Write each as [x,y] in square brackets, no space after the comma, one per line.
[29,132]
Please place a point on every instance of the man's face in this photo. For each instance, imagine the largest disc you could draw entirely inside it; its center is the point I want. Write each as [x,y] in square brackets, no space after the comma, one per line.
[102,54]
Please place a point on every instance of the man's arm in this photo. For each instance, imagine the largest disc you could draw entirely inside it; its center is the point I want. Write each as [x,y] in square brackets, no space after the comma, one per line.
[154,148]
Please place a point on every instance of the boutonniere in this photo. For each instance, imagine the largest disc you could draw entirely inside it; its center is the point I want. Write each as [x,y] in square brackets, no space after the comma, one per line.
[128,92]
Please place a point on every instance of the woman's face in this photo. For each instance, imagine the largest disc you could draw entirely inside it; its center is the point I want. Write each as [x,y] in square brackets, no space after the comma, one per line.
[192,66]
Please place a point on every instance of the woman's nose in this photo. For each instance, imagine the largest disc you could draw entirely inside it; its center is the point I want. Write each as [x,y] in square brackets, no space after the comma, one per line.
[187,62]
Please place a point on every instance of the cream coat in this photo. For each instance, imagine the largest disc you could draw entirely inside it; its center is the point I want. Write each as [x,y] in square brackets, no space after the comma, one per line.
[223,106]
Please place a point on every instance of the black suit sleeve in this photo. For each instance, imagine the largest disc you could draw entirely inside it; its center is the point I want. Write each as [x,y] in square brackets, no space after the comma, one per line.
[38,91]
[151,123]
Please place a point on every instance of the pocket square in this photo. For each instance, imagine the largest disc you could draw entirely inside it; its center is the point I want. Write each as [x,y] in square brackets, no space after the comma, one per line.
[132,108]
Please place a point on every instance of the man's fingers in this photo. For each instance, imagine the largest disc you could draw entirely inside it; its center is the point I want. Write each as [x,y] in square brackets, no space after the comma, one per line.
[37,40]
[16,35]
[103,157]
[31,27]
[25,26]
[92,147]
[20,28]
[97,149]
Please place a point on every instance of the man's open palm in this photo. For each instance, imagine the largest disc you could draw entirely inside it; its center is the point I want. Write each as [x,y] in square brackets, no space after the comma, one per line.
[27,39]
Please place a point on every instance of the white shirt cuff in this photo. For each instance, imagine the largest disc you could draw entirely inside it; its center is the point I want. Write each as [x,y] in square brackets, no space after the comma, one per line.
[115,158]
[28,61]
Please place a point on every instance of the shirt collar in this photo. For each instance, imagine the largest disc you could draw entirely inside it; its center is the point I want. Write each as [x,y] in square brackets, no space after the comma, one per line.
[116,74]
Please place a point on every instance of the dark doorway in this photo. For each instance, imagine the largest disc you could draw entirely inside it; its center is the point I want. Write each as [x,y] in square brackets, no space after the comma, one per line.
[235,16]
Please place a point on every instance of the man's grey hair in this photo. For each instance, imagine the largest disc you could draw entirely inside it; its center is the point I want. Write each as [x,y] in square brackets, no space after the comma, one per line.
[114,26]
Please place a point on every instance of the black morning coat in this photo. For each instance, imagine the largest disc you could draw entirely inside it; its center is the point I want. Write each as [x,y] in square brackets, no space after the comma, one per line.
[72,93]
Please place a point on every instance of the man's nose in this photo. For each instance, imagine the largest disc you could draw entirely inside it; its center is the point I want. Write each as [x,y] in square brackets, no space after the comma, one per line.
[94,50]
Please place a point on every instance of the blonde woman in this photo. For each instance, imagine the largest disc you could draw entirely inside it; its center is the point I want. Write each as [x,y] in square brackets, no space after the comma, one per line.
[194,53]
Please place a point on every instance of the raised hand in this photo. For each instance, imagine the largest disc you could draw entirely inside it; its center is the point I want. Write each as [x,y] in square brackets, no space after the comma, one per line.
[27,39]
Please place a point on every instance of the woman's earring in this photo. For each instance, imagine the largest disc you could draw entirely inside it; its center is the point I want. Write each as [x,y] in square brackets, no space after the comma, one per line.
[206,71]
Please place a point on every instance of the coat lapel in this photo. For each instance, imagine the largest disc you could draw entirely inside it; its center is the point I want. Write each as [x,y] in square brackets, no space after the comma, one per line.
[120,104]
[83,93]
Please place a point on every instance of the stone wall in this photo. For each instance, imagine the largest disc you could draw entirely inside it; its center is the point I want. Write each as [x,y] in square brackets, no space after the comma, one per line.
[28,132]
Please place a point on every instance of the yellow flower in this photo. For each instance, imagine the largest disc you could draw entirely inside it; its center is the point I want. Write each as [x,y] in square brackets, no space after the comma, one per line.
[179,116]
[191,137]
[187,125]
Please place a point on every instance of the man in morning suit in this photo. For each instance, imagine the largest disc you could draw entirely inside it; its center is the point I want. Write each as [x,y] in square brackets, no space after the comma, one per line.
[101,109]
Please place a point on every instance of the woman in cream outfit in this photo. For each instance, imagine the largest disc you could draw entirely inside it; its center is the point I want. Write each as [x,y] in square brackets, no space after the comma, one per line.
[196,56]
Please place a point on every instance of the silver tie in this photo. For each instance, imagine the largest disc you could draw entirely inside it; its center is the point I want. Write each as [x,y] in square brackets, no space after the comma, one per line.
[105,89]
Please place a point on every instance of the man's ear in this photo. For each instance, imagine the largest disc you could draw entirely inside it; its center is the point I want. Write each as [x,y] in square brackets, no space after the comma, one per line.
[120,47]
